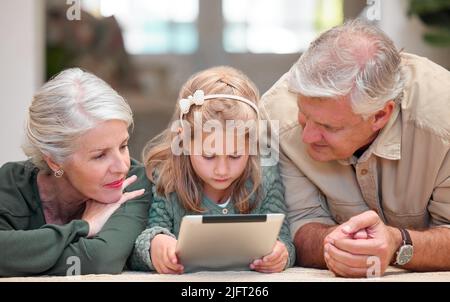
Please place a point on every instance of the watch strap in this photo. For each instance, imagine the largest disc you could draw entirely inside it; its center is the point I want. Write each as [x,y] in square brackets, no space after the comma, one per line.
[406,237]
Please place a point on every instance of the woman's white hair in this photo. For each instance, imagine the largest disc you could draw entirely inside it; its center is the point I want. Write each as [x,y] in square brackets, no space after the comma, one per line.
[66,107]
[355,59]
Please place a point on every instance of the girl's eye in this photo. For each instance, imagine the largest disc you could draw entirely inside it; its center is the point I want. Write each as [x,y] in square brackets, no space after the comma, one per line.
[208,156]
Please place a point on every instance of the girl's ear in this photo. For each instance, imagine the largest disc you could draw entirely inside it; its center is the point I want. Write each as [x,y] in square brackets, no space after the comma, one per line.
[382,116]
[52,164]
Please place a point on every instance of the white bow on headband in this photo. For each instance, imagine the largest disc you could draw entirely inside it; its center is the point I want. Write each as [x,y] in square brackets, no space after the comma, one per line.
[199,98]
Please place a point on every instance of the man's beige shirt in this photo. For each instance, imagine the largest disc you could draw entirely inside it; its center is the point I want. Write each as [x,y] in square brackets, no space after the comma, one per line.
[404,175]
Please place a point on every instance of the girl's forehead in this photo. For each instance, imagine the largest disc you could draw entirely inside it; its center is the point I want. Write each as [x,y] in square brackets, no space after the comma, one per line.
[223,143]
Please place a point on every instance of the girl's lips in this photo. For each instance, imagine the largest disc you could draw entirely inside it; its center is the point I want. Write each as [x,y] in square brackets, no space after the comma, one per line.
[115,184]
[222,180]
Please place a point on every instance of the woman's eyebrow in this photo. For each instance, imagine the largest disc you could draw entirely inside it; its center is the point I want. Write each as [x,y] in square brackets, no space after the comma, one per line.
[106,148]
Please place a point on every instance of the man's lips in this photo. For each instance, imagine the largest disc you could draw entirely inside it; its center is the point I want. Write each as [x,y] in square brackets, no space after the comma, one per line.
[115,184]
[316,146]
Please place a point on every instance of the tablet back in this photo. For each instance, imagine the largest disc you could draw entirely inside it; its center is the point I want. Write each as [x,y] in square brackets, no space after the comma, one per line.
[226,242]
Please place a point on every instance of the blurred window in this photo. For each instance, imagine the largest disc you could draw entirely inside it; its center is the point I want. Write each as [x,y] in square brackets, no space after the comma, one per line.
[250,26]
[281,26]
[152,26]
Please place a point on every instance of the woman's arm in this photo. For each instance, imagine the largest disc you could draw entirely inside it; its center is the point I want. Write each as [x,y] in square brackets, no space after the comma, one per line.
[33,252]
[63,250]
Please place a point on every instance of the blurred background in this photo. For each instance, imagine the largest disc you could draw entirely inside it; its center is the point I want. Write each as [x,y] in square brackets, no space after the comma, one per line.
[146,49]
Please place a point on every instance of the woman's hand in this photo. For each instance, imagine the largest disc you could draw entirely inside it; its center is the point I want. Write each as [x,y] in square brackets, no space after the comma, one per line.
[162,253]
[275,262]
[96,214]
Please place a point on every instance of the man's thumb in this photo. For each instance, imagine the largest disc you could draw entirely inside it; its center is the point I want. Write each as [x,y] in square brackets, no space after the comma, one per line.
[361,221]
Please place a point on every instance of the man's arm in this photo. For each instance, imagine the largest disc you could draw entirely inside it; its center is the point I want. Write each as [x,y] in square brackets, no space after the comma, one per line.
[349,258]
[431,250]
[308,243]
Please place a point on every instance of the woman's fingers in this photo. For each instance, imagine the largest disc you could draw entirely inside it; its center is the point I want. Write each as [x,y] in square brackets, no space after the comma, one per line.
[131,195]
[129,181]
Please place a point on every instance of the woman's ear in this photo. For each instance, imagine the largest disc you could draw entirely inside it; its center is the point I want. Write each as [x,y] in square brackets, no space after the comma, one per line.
[52,164]
[382,116]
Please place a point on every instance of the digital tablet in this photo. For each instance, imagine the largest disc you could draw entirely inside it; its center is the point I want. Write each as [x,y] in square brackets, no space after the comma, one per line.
[226,242]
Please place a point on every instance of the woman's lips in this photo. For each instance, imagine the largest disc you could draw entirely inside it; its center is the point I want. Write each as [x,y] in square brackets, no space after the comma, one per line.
[115,184]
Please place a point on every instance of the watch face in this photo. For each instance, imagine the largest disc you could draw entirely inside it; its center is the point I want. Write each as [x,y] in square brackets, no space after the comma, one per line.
[405,254]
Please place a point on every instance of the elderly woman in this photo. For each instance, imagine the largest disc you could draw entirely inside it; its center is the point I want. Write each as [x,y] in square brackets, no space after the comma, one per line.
[77,205]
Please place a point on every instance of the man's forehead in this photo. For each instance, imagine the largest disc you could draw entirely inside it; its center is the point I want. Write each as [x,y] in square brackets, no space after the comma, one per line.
[327,110]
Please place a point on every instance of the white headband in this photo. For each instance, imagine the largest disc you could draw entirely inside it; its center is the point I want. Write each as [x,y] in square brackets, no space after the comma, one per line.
[199,98]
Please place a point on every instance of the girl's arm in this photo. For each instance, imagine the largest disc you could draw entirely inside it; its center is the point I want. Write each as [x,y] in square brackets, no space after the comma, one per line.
[160,222]
[273,202]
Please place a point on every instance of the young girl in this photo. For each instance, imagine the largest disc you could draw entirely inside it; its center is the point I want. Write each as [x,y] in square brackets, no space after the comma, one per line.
[195,172]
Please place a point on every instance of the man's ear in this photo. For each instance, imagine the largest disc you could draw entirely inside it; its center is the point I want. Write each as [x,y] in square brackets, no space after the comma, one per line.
[381,118]
[52,164]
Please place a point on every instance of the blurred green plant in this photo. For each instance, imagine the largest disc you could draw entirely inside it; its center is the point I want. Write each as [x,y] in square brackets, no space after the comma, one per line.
[435,14]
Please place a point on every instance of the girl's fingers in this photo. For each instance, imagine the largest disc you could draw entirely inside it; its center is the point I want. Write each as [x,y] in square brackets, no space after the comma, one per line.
[274,268]
[278,265]
[172,261]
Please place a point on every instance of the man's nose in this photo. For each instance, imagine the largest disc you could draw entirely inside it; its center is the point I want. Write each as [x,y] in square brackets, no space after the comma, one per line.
[311,134]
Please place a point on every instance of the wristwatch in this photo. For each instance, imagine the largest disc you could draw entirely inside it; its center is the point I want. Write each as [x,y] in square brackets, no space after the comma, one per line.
[405,252]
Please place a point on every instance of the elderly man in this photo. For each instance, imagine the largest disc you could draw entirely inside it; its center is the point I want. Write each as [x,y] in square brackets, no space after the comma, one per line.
[364,154]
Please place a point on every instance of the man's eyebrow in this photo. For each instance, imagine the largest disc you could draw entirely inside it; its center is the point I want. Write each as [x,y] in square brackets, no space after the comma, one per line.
[322,124]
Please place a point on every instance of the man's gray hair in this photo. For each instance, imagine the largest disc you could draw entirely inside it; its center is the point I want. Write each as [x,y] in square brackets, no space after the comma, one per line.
[355,59]
[65,108]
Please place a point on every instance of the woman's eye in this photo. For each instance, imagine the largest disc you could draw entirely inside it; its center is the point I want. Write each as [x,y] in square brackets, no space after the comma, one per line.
[235,156]
[208,156]
[99,156]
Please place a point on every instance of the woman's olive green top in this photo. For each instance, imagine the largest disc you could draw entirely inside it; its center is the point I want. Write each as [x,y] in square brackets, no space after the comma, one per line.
[29,246]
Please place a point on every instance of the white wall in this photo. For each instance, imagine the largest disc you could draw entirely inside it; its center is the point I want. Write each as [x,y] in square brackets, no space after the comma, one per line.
[21,69]
[407,32]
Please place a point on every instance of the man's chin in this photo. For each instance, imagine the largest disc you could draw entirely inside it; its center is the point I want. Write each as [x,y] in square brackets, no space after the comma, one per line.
[321,157]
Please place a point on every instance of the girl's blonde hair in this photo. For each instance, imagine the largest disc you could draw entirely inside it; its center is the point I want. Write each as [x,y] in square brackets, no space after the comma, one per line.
[174,173]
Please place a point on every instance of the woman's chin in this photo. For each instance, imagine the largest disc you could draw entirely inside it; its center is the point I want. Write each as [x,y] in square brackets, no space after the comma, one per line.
[110,198]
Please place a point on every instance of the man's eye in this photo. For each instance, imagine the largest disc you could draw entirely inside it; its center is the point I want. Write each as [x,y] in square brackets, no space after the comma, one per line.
[331,129]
